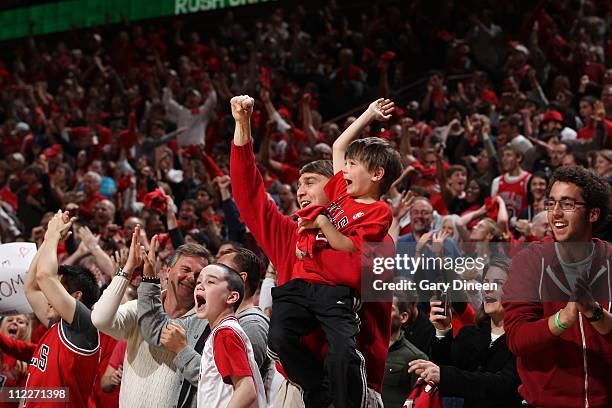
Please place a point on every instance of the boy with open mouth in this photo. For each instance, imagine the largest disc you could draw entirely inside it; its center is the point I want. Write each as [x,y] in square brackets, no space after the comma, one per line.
[229,375]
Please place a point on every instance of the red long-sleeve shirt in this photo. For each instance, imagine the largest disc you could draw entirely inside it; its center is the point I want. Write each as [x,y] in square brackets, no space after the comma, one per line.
[557,371]
[276,235]
[18,349]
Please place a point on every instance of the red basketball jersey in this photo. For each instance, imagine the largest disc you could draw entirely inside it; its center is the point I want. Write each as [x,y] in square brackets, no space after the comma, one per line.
[59,363]
[514,194]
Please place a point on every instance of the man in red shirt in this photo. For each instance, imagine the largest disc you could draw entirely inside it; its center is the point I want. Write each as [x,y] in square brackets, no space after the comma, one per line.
[276,234]
[588,108]
[558,297]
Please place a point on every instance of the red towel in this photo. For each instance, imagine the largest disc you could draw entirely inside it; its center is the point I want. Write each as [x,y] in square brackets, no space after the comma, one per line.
[155,200]
[307,240]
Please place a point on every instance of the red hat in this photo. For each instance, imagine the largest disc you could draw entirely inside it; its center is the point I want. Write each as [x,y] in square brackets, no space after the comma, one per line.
[552,115]
[284,112]
[52,151]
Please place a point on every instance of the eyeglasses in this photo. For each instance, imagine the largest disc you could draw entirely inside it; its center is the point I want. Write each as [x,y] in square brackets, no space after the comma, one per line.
[566,204]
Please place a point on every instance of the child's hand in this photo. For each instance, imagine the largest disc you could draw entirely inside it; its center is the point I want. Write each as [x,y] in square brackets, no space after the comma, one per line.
[304,225]
[381,109]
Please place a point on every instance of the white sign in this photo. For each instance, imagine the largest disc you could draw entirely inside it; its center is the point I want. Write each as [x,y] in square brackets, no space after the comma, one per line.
[15,259]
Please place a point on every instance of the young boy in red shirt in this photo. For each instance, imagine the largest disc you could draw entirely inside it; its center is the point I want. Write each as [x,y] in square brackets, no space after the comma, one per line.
[229,375]
[364,170]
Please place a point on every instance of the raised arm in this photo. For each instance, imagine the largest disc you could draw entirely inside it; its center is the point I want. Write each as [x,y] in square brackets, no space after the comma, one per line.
[242,109]
[273,231]
[103,261]
[151,316]
[106,315]
[36,298]
[380,109]
[307,124]
[46,272]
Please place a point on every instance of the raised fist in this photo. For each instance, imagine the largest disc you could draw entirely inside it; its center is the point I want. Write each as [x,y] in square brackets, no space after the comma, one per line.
[242,107]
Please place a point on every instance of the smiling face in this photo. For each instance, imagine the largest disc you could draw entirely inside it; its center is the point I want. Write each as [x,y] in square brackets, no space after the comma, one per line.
[570,226]
[509,160]
[457,181]
[183,274]
[558,153]
[540,226]
[310,189]
[359,181]
[481,232]
[212,295]
[421,215]
[602,165]
[538,187]
[15,326]
[187,215]
[473,192]
[492,298]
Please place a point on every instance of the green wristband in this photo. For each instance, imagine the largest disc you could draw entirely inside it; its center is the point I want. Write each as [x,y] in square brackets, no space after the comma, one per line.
[558,323]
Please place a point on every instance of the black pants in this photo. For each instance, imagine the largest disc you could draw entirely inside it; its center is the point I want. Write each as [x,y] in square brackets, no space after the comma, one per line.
[298,309]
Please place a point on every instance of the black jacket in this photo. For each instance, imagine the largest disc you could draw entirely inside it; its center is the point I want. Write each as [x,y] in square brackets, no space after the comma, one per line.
[420,332]
[398,382]
[484,375]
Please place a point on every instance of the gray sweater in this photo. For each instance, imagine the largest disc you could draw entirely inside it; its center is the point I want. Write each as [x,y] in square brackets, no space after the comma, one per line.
[152,320]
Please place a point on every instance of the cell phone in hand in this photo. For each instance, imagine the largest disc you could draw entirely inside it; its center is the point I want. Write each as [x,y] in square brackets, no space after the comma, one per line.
[443,297]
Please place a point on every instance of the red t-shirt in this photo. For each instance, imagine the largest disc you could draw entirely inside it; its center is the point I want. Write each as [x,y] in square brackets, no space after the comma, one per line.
[86,208]
[587,132]
[99,398]
[358,221]
[118,355]
[9,197]
[231,355]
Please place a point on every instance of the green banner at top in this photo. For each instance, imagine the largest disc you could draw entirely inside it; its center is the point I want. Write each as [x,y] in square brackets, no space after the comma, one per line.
[62,15]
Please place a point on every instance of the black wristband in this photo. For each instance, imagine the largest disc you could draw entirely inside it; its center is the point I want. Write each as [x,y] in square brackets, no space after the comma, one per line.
[151,279]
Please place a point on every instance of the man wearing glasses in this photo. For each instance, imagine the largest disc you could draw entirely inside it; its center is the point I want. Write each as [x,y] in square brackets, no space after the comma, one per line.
[558,297]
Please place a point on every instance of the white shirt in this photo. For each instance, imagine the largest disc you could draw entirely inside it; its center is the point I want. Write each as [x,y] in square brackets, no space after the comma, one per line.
[521,143]
[196,121]
[145,368]
[212,391]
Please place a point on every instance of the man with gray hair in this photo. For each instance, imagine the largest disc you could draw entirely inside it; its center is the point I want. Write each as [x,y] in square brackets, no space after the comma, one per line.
[103,215]
[146,367]
[91,194]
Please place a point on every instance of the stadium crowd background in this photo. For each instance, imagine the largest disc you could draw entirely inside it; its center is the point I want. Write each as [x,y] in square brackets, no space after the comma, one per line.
[96,120]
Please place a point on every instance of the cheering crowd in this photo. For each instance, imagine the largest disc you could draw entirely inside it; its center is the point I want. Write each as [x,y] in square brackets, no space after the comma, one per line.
[198,247]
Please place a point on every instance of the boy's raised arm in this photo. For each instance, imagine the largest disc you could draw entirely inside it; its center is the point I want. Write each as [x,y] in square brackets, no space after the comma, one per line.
[380,109]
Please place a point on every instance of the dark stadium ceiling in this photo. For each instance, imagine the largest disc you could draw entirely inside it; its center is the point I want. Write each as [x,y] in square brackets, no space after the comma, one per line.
[12,4]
